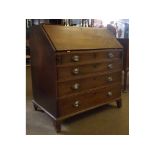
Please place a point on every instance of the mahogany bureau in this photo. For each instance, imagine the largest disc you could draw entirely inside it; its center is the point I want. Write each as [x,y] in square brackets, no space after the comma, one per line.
[74,69]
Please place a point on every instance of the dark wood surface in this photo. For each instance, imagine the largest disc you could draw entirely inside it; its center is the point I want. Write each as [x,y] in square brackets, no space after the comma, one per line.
[67,87]
[87,55]
[64,72]
[89,99]
[125,44]
[43,67]
[53,79]
[75,38]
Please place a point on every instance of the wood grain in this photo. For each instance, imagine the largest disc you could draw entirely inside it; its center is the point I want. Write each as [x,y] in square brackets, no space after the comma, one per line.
[66,88]
[73,38]
[65,72]
[43,68]
[52,64]
[96,97]
[87,56]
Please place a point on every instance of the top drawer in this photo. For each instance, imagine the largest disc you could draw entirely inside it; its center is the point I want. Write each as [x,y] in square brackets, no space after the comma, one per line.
[70,57]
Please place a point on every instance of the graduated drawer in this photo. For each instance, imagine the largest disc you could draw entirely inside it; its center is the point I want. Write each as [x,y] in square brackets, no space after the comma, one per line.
[75,103]
[79,70]
[84,56]
[74,86]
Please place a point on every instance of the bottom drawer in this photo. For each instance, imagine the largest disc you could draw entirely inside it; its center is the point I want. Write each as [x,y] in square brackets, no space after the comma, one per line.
[76,103]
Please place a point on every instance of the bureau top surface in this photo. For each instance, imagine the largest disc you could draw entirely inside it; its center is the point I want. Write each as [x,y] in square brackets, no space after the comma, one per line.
[80,38]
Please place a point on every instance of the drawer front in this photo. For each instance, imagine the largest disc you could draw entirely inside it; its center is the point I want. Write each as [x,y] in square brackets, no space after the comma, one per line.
[86,56]
[74,86]
[75,71]
[76,103]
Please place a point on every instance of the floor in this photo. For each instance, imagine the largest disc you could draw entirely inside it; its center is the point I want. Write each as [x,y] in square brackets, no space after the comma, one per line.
[106,120]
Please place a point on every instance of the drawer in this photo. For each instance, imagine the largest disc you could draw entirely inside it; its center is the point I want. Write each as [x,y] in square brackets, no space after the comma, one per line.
[74,86]
[75,103]
[84,56]
[75,71]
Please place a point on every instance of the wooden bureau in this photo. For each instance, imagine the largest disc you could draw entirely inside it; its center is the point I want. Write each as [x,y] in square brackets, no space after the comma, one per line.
[74,69]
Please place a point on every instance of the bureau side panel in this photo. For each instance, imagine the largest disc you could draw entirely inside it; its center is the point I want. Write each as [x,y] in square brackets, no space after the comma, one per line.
[43,69]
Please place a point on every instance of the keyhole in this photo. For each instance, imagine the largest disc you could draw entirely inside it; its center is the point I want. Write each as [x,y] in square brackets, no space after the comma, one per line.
[94,55]
[95,65]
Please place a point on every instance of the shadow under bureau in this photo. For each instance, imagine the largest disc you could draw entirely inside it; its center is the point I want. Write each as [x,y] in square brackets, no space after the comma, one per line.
[74,69]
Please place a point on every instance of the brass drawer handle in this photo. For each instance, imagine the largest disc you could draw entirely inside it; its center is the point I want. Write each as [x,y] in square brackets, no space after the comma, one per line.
[109,93]
[76,86]
[75,58]
[75,71]
[110,55]
[76,104]
[110,79]
[110,66]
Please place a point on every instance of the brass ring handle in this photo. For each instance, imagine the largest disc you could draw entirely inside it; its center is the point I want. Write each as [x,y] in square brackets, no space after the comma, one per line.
[110,66]
[76,86]
[75,58]
[110,79]
[109,93]
[76,104]
[110,55]
[75,71]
